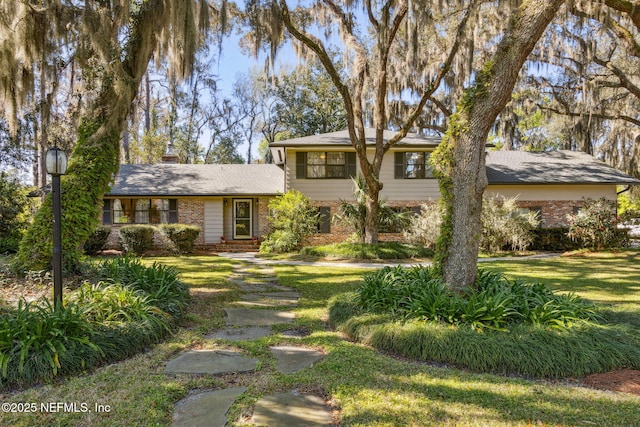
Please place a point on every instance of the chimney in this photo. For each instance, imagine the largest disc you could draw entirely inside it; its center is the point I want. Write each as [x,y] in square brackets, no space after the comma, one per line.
[170,156]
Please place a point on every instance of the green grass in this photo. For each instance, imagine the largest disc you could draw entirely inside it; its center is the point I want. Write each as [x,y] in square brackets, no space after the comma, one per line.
[367,388]
[363,251]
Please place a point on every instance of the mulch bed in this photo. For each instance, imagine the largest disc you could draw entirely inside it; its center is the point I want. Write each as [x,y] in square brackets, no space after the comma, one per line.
[624,380]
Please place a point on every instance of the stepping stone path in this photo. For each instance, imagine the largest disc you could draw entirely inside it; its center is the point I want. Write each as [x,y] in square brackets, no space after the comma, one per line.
[263,303]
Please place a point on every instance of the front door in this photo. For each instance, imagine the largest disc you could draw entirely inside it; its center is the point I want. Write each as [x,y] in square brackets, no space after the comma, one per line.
[242,218]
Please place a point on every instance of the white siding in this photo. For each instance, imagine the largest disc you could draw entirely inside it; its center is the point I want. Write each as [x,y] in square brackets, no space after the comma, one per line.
[336,189]
[317,189]
[405,189]
[213,220]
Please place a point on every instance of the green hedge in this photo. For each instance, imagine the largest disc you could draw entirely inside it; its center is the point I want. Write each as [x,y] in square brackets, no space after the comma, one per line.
[137,239]
[181,235]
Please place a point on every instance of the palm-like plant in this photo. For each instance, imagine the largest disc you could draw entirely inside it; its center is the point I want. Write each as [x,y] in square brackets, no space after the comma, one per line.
[354,214]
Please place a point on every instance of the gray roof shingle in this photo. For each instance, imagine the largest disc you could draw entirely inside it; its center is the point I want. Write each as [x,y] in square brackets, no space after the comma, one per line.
[503,167]
[198,180]
[555,167]
[341,138]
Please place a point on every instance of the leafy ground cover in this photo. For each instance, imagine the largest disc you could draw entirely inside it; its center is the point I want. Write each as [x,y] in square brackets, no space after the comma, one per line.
[126,308]
[366,387]
[502,326]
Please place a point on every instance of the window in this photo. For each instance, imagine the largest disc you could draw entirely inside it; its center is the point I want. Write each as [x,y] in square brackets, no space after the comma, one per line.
[140,211]
[412,165]
[325,164]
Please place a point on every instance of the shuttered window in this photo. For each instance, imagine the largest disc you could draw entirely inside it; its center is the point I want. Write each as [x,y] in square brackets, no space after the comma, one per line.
[412,165]
[325,165]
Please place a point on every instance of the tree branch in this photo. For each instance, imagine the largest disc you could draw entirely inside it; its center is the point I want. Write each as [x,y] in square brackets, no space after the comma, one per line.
[595,115]
[437,80]
[372,18]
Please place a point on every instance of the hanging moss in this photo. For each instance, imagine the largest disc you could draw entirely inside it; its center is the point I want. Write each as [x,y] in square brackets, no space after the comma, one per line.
[92,165]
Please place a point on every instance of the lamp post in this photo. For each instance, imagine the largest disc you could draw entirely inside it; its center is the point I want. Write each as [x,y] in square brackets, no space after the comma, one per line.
[56,164]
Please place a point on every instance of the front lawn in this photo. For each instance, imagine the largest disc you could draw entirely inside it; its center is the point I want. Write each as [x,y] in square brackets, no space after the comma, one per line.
[367,388]
[357,252]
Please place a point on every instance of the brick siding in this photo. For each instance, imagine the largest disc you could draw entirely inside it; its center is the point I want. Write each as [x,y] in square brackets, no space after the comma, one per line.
[191,211]
[553,213]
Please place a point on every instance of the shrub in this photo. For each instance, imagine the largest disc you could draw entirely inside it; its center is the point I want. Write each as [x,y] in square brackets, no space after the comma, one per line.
[595,225]
[526,350]
[629,207]
[502,326]
[553,239]
[96,241]
[280,241]
[160,283]
[292,219]
[100,323]
[504,225]
[355,215]
[182,236]
[14,212]
[424,228]
[39,342]
[137,239]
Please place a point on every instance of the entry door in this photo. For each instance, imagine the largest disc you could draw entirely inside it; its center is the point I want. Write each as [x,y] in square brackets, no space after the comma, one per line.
[242,218]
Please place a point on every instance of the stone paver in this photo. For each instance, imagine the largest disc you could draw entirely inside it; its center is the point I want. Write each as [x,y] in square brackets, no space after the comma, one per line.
[254,317]
[283,409]
[207,409]
[291,409]
[263,287]
[213,362]
[269,299]
[290,359]
[240,334]
[294,333]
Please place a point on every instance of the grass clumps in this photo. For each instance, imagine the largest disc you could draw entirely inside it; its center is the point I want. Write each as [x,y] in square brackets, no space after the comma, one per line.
[132,307]
[383,250]
[500,326]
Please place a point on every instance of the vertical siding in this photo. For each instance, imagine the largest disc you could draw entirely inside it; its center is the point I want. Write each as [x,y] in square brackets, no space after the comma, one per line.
[213,221]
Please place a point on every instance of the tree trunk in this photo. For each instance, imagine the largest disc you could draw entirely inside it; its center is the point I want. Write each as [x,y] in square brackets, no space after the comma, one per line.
[461,156]
[371,217]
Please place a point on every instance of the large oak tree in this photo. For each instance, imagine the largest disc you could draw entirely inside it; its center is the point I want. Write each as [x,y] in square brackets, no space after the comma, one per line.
[113,42]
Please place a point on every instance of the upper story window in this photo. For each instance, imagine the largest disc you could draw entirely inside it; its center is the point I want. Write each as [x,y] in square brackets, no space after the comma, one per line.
[412,165]
[140,211]
[325,164]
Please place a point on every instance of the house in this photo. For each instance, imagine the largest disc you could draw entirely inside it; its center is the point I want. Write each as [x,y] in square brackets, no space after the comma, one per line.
[551,183]
[230,202]
[227,202]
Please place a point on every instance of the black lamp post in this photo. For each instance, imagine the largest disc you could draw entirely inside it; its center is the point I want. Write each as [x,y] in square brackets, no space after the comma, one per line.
[56,164]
